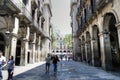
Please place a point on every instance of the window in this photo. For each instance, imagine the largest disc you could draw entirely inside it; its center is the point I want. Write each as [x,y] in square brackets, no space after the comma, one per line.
[92,6]
[85,12]
[25,1]
[81,3]
[81,21]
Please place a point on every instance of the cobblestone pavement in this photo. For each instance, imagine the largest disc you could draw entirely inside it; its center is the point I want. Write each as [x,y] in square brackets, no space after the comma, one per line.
[67,70]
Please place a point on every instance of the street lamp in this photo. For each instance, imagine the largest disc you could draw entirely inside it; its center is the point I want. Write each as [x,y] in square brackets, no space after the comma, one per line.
[7,33]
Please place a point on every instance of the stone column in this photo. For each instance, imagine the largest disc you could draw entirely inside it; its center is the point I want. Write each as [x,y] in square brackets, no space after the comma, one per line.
[13,45]
[92,50]
[39,52]
[24,48]
[118,30]
[46,47]
[13,38]
[33,53]
[82,52]
[33,49]
[105,51]
[24,52]
[43,50]
[86,51]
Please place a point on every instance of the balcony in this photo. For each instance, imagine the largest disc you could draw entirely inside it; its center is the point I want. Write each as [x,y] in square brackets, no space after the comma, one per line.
[34,3]
[40,11]
[35,24]
[73,2]
[10,6]
[25,14]
[47,2]
[103,3]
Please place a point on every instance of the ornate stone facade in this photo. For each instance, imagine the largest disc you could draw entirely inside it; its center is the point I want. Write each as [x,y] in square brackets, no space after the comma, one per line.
[98,31]
[25,29]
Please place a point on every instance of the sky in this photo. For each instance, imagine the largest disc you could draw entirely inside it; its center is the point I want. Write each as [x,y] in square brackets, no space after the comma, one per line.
[61,16]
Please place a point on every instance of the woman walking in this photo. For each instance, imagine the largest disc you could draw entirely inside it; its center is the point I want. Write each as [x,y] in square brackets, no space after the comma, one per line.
[10,67]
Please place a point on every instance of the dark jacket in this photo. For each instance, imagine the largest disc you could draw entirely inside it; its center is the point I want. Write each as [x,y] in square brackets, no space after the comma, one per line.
[55,59]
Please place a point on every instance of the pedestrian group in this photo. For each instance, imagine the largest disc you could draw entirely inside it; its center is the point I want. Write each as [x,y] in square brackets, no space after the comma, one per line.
[51,59]
[9,64]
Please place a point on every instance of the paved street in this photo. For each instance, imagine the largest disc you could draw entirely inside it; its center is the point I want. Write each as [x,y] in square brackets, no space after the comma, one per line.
[67,70]
[21,69]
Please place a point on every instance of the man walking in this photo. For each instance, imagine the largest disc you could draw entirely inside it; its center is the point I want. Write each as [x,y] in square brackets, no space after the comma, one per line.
[55,61]
[2,63]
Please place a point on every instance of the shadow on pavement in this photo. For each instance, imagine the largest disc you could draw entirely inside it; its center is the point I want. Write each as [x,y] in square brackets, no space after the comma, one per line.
[37,73]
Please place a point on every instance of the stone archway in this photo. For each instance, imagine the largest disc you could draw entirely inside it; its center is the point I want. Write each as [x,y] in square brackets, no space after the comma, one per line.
[83,49]
[114,54]
[2,43]
[88,48]
[96,46]
[18,53]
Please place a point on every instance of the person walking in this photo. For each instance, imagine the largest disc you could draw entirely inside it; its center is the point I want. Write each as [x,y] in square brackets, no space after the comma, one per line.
[2,64]
[48,59]
[10,67]
[55,61]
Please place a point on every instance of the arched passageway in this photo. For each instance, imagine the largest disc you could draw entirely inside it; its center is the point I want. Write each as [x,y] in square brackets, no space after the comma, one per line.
[96,47]
[113,55]
[18,53]
[2,44]
[83,49]
[88,47]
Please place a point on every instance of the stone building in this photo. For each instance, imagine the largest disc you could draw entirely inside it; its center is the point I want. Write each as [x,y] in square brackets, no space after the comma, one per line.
[25,29]
[74,25]
[98,23]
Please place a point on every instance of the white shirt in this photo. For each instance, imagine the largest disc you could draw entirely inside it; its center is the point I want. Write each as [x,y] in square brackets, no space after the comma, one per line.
[2,59]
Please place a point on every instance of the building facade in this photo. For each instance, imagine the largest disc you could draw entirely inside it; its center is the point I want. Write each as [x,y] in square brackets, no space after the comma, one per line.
[25,29]
[74,25]
[98,32]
